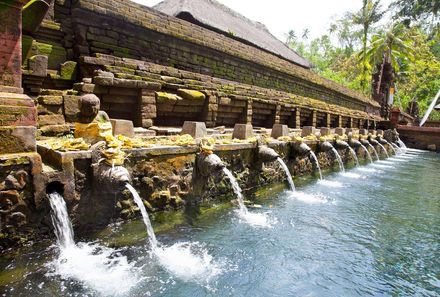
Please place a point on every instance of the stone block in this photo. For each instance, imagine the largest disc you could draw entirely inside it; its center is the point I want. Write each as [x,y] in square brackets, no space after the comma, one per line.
[242,131]
[340,131]
[307,130]
[52,119]
[372,131]
[195,129]
[122,127]
[279,130]
[68,70]
[191,94]
[71,107]
[352,130]
[147,123]
[379,132]
[54,130]
[50,100]
[38,65]
[325,131]
[17,139]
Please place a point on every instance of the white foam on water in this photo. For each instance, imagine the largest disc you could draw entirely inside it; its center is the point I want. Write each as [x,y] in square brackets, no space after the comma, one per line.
[351,175]
[385,162]
[99,268]
[190,262]
[415,150]
[364,169]
[382,165]
[395,159]
[330,183]
[256,219]
[315,198]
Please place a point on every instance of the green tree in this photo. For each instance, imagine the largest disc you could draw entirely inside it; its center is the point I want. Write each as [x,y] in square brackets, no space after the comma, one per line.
[417,11]
[369,15]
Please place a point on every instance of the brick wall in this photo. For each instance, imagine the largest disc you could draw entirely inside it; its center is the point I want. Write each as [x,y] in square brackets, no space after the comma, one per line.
[125,29]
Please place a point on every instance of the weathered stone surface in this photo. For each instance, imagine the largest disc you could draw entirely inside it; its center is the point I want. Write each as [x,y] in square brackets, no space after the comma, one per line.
[279,130]
[325,131]
[191,94]
[308,130]
[242,131]
[167,97]
[52,119]
[50,100]
[122,127]
[195,129]
[55,130]
[340,131]
[363,131]
[71,107]
[17,139]
[38,65]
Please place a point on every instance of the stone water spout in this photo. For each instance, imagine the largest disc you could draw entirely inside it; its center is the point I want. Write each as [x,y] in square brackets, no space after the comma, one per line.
[340,144]
[207,164]
[373,141]
[302,149]
[354,142]
[381,140]
[267,154]
[364,142]
[326,146]
[108,179]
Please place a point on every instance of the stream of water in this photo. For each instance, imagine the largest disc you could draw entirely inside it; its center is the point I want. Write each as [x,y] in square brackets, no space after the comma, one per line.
[338,158]
[315,159]
[287,172]
[375,235]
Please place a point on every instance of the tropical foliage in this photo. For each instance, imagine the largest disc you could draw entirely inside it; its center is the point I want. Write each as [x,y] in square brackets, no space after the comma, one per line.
[405,34]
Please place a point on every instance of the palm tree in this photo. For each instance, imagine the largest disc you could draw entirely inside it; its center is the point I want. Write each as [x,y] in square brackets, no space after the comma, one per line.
[388,50]
[369,15]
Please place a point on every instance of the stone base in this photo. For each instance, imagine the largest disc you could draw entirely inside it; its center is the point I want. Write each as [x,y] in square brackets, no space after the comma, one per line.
[279,130]
[122,127]
[20,139]
[307,130]
[242,131]
[340,131]
[325,131]
[195,129]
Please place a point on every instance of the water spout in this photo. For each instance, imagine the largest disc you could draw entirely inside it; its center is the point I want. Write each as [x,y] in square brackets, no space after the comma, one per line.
[267,154]
[374,150]
[383,148]
[315,159]
[326,146]
[237,190]
[288,175]
[303,149]
[137,199]
[367,152]
[353,153]
[207,164]
[401,143]
[61,222]
[340,144]
[338,158]
[395,146]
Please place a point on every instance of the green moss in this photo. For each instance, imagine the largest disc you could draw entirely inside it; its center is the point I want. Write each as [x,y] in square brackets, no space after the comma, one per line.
[191,94]
[68,70]
[162,97]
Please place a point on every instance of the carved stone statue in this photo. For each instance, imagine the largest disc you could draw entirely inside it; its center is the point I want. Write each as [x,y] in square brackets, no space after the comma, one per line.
[92,124]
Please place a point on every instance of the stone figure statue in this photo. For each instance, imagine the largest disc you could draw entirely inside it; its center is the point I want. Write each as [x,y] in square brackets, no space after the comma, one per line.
[92,124]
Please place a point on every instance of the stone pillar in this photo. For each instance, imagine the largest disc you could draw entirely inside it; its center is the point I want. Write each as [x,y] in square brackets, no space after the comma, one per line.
[313,118]
[328,120]
[297,118]
[248,112]
[350,122]
[339,121]
[210,111]
[148,108]
[17,111]
[277,114]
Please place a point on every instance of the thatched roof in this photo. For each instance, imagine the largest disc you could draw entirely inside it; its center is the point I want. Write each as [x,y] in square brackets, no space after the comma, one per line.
[217,17]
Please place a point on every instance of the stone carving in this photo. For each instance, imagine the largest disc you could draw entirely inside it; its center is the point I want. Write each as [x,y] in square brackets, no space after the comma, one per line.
[92,124]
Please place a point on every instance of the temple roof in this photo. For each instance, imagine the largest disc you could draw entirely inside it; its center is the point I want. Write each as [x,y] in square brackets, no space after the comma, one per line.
[215,16]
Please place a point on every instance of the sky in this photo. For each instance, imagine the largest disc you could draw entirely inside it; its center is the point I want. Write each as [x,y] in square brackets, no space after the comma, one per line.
[281,16]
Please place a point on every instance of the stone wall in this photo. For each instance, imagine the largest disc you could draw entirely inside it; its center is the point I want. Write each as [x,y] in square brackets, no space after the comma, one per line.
[420,137]
[125,29]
